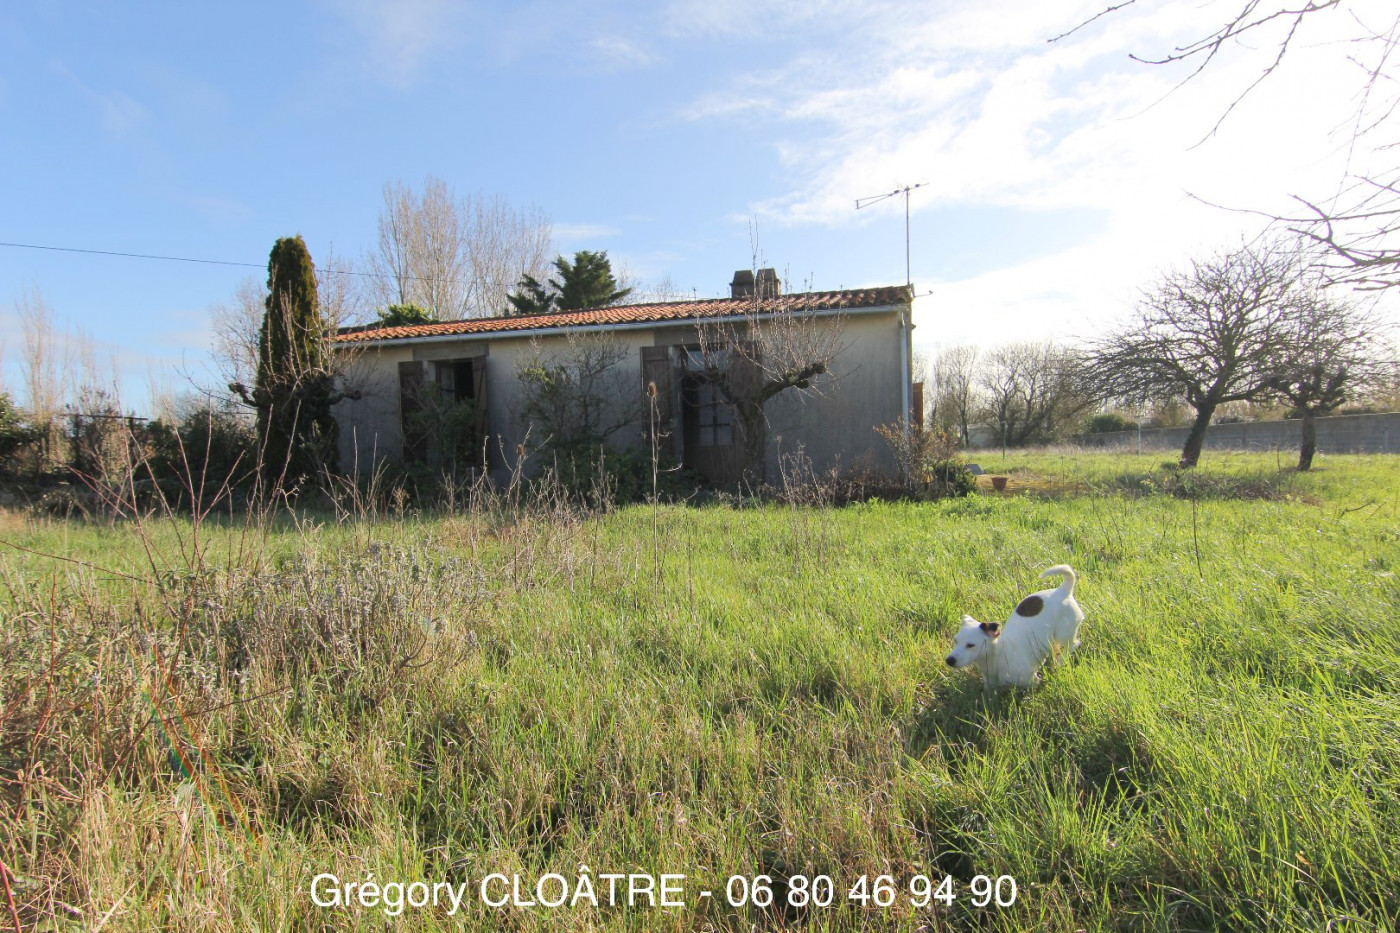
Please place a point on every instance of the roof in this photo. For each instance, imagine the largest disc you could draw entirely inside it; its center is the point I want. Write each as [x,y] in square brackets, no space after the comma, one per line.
[848,299]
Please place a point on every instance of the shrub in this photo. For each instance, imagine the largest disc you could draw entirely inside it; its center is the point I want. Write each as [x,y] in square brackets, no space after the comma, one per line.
[96,434]
[451,429]
[1108,422]
[928,462]
[599,475]
[15,434]
[948,478]
[212,446]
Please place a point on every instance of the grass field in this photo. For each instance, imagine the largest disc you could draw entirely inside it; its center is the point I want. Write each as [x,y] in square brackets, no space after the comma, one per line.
[198,724]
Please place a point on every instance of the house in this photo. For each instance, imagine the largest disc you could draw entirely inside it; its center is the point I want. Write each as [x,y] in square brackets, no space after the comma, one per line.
[491,367]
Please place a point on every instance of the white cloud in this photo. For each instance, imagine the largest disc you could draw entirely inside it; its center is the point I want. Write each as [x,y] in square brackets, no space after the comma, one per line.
[725,104]
[397,41]
[759,19]
[974,101]
[575,232]
[617,53]
[119,113]
[183,95]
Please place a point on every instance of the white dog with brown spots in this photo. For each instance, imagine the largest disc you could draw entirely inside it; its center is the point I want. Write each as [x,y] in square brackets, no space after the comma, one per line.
[1043,625]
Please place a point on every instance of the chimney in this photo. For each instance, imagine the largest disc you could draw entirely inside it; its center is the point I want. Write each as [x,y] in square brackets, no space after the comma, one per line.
[742,286]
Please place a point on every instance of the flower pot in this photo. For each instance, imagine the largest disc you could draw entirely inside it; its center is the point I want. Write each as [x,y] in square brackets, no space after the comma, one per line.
[999,483]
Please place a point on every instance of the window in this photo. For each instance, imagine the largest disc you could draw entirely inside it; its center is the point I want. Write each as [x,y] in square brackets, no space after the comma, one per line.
[454,380]
[714,419]
[693,360]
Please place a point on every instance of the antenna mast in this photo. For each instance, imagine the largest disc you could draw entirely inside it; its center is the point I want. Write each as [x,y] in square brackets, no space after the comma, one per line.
[876,199]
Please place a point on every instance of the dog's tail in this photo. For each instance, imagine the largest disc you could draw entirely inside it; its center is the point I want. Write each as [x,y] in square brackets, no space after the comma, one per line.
[1062,570]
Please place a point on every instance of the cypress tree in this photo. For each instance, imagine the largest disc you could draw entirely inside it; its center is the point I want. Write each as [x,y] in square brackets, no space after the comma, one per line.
[293,391]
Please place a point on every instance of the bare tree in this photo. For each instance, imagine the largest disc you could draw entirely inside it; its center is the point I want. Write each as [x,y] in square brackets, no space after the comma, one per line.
[1359,223]
[1335,353]
[96,434]
[955,390]
[1210,333]
[342,291]
[1031,391]
[46,359]
[577,397]
[455,257]
[504,243]
[656,291]
[161,400]
[43,356]
[779,343]
[421,251]
[235,325]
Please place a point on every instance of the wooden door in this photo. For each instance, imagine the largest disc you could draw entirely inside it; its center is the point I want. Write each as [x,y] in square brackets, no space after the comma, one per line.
[713,445]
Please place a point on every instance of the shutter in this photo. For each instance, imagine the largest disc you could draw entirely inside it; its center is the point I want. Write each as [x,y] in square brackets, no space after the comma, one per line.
[916,406]
[656,368]
[415,441]
[479,400]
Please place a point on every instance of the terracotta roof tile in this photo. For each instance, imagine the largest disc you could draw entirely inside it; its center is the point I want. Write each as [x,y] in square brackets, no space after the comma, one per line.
[636,314]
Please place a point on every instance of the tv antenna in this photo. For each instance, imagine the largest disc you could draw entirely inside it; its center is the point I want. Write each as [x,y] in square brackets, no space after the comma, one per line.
[876,199]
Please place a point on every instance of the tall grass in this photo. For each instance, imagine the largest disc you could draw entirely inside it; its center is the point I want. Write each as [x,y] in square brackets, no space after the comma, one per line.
[717,691]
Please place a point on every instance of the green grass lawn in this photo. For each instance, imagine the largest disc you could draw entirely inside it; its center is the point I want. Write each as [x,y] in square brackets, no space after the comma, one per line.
[717,692]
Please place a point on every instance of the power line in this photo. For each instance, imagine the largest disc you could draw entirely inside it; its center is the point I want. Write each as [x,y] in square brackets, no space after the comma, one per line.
[207,262]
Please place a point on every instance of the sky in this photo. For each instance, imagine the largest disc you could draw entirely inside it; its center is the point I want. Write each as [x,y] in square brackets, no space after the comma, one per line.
[1058,177]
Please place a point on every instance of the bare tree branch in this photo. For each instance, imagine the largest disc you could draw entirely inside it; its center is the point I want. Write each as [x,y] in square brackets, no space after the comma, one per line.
[1358,225]
[1097,16]
[455,257]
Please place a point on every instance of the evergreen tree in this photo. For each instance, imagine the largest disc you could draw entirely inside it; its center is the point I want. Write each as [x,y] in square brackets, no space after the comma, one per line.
[294,390]
[16,433]
[403,316]
[530,298]
[587,282]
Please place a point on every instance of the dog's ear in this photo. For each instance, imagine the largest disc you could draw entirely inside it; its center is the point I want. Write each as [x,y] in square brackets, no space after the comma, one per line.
[992,629]
[969,620]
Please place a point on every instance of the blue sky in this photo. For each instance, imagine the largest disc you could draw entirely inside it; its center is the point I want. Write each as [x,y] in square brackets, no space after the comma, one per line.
[1057,174]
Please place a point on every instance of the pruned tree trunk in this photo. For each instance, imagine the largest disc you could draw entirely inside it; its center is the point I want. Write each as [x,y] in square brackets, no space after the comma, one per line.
[1196,439]
[751,423]
[1309,447]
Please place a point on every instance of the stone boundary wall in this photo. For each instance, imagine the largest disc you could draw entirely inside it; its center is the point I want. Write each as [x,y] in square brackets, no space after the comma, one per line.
[1336,434]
